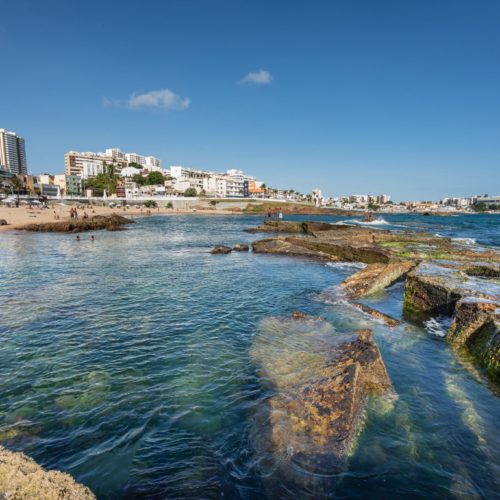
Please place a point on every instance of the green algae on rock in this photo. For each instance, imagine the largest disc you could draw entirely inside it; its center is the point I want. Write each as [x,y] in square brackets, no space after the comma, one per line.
[322,381]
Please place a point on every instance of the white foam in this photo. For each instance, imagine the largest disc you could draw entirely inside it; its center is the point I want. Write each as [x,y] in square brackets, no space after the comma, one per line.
[465,241]
[437,326]
[346,265]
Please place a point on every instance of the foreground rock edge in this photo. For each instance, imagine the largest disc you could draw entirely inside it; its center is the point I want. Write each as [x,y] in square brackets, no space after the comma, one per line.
[21,478]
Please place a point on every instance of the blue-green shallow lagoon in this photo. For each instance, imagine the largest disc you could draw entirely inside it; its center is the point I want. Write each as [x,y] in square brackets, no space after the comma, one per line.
[125,362]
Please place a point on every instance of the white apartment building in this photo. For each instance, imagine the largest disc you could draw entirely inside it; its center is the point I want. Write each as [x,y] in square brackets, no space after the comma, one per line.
[235,181]
[151,161]
[135,158]
[12,152]
[91,168]
[383,198]
[115,153]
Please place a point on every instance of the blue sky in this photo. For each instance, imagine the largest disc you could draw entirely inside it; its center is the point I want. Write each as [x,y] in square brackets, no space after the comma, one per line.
[352,96]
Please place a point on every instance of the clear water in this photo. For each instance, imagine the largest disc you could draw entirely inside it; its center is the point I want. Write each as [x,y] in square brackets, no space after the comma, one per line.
[127,363]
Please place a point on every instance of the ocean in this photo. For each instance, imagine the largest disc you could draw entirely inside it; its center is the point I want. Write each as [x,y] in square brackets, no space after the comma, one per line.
[126,363]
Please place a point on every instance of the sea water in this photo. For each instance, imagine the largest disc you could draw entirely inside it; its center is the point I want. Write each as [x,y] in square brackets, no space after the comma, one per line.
[127,363]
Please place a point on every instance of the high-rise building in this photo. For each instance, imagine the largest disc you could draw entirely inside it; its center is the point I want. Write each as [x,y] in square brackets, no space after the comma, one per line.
[12,152]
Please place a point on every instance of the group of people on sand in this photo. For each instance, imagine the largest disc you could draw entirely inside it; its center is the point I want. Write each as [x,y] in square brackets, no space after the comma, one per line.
[73,213]
[276,214]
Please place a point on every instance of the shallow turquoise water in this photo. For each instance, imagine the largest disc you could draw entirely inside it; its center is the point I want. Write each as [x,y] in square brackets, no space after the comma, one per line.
[125,362]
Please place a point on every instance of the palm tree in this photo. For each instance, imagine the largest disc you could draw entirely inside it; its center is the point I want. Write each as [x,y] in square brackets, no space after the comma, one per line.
[16,185]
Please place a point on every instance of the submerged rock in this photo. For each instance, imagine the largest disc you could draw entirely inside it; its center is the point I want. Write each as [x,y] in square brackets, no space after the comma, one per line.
[221,249]
[375,278]
[21,478]
[323,380]
[111,222]
[388,320]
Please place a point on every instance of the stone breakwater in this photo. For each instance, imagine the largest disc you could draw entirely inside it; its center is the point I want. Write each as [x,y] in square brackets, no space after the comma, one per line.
[441,276]
[21,478]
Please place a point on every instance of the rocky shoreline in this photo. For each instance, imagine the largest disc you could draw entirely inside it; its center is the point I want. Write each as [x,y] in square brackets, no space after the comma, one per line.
[441,276]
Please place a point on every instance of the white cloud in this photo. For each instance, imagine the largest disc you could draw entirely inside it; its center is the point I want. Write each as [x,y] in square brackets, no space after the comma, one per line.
[159,99]
[260,77]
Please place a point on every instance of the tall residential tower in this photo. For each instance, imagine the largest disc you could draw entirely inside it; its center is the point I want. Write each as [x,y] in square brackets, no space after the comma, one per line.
[12,152]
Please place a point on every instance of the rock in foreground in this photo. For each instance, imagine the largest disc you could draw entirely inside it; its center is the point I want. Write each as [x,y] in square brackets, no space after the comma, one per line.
[322,382]
[113,222]
[21,478]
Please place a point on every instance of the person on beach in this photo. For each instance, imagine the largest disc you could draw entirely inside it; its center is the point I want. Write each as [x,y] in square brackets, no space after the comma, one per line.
[85,215]
[280,215]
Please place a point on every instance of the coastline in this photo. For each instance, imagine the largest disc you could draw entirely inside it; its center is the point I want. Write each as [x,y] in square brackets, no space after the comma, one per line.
[18,218]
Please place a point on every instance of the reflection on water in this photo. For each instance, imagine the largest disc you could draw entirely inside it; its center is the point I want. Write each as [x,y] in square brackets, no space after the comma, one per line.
[136,364]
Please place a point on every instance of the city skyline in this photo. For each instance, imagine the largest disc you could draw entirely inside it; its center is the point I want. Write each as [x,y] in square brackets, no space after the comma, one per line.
[347,97]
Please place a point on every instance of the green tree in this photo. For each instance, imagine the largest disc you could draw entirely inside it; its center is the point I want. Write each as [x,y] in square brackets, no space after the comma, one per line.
[155,178]
[102,182]
[150,204]
[479,207]
[138,179]
[190,192]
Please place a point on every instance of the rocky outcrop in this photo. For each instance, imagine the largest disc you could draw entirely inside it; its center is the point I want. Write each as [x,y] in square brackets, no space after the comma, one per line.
[322,382]
[375,278]
[447,288]
[3,222]
[241,247]
[321,250]
[273,226]
[435,288]
[21,478]
[476,326]
[221,249]
[113,222]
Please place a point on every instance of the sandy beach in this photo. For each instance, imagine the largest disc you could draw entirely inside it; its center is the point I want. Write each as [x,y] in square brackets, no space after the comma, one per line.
[18,217]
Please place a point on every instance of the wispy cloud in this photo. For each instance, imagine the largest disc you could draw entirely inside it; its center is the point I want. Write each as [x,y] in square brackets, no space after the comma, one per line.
[109,103]
[158,99]
[260,77]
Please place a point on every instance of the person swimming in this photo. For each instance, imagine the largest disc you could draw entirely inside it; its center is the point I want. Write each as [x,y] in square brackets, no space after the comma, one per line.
[77,237]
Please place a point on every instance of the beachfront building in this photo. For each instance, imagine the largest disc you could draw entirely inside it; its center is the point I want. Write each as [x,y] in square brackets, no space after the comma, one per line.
[12,152]
[489,201]
[84,164]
